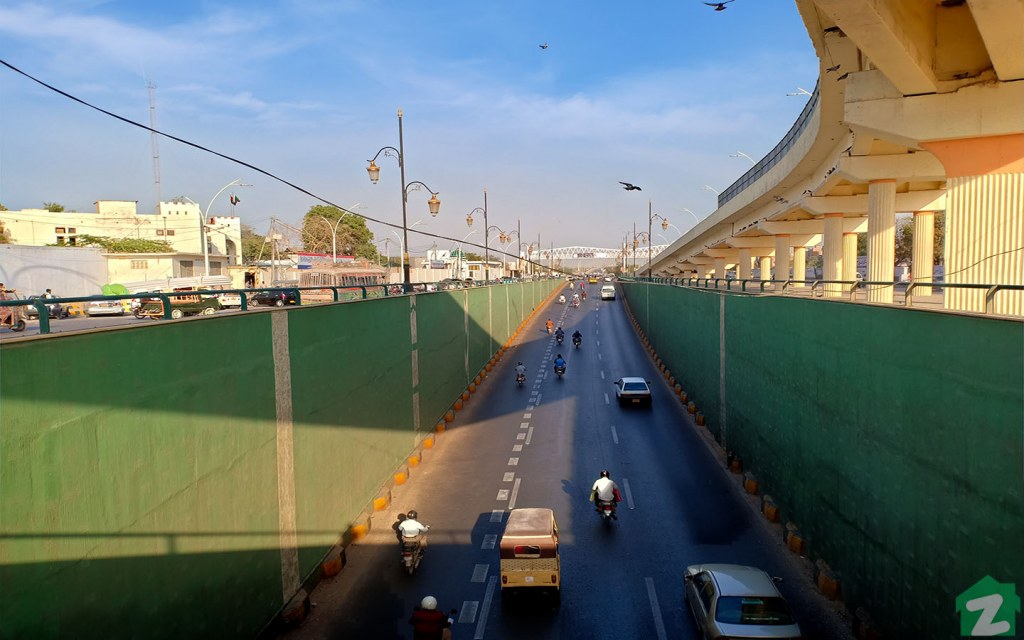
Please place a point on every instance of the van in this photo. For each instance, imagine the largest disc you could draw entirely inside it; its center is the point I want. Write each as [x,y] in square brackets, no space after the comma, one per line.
[529,552]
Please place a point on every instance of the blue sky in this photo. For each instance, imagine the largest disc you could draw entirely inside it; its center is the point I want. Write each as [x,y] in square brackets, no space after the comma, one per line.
[659,94]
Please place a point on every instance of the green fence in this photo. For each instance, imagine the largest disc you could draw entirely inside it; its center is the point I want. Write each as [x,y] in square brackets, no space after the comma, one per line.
[179,479]
[893,438]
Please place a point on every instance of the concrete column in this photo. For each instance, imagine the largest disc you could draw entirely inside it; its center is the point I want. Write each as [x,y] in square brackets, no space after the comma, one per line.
[849,256]
[719,267]
[743,271]
[832,253]
[766,268]
[984,225]
[799,265]
[924,250]
[881,239]
[782,256]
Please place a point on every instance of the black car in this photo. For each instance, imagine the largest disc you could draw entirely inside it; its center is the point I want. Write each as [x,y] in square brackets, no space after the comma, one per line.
[275,298]
[55,309]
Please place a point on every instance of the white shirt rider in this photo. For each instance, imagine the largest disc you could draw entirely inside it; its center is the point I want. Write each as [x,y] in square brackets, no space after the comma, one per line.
[411,528]
[605,488]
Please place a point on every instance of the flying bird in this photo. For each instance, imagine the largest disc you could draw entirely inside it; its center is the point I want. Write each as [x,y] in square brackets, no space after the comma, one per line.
[719,6]
[808,192]
[842,77]
[831,69]
[630,187]
[543,46]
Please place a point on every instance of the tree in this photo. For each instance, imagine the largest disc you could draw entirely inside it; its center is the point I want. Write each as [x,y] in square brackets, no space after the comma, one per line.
[252,245]
[474,257]
[905,239]
[53,207]
[2,207]
[124,245]
[354,237]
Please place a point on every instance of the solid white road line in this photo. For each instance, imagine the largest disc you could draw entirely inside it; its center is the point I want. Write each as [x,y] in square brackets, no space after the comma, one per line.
[529,435]
[481,623]
[515,493]
[629,494]
[615,435]
[652,595]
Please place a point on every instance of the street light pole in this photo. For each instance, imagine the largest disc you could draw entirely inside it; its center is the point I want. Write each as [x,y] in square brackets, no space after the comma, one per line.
[206,216]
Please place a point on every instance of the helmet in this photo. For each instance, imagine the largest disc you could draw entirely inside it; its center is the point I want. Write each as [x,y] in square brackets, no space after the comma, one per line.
[559,356]
[605,474]
[520,363]
[429,603]
[412,515]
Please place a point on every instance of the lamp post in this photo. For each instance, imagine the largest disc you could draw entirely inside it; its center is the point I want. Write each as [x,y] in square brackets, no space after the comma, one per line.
[461,254]
[740,154]
[434,204]
[696,220]
[402,248]
[800,91]
[707,188]
[487,230]
[334,229]
[206,216]
[664,227]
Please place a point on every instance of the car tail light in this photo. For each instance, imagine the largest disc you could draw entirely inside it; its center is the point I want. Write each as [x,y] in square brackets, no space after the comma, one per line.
[554,579]
[504,579]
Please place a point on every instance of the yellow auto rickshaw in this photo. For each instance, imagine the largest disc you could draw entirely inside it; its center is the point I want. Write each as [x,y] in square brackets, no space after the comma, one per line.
[529,552]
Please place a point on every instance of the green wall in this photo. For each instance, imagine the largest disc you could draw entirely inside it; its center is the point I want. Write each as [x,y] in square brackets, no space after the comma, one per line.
[139,484]
[893,438]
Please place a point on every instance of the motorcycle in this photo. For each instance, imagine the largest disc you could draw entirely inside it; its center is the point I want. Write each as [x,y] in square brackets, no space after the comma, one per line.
[560,370]
[520,379]
[577,341]
[559,338]
[412,554]
[606,509]
[561,299]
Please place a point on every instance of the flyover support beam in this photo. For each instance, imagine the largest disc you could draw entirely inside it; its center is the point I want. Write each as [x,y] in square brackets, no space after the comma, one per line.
[924,250]
[881,239]
[799,265]
[849,256]
[743,270]
[765,268]
[782,256]
[719,267]
[832,253]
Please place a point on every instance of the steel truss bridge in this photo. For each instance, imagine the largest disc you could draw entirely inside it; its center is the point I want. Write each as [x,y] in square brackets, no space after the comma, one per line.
[594,253]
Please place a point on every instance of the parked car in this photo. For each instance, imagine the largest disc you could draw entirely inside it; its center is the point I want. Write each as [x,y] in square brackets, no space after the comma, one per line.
[451,283]
[735,601]
[181,306]
[608,292]
[56,309]
[230,299]
[632,391]
[274,298]
[104,308]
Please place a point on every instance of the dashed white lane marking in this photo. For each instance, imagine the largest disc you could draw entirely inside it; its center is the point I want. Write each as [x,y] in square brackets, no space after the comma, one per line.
[629,494]
[481,623]
[480,572]
[516,448]
[539,396]
[515,493]
[602,375]
[599,343]
[527,416]
[521,435]
[530,406]
[529,435]
[490,540]
[599,357]
[497,515]
[615,435]
[512,462]
[502,495]
[467,615]
[523,425]
[509,476]
[652,595]
[606,400]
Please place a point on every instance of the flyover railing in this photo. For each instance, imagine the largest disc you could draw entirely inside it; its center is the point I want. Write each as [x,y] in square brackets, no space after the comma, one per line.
[848,289]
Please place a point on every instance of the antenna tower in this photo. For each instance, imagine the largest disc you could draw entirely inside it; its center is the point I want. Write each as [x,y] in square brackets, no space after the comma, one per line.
[153,140]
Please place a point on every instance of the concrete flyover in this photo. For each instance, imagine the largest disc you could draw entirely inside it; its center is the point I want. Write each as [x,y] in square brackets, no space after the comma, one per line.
[917,110]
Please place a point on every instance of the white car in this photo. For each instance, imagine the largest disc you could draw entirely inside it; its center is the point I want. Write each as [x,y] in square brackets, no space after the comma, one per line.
[607,292]
[632,391]
[104,308]
[230,299]
[735,601]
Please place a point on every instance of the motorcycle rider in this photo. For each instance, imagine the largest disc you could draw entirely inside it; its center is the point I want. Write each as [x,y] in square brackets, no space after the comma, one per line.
[575,299]
[412,530]
[559,362]
[559,335]
[520,370]
[430,624]
[550,325]
[577,337]
[605,490]
[561,299]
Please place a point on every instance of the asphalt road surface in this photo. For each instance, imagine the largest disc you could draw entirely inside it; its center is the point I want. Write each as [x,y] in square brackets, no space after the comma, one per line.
[544,445]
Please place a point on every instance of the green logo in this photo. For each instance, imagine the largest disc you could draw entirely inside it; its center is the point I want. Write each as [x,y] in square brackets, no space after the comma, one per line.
[988,608]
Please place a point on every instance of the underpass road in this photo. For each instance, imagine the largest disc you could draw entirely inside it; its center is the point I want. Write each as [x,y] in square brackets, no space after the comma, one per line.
[544,445]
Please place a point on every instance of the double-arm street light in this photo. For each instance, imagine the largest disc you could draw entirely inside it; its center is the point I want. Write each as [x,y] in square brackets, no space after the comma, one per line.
[487,232]
[650,219]
[206,216]
[434,204]
[334,229]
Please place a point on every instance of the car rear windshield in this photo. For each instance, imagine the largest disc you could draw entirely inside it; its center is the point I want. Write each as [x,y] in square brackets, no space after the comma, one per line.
[763,611]
[634,386]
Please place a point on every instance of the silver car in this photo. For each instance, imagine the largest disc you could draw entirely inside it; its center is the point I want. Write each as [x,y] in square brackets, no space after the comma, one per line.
[734,601]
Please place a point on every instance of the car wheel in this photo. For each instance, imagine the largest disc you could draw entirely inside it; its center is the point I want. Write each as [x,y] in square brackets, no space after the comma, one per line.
[279,303]
[209,311]
[177,313]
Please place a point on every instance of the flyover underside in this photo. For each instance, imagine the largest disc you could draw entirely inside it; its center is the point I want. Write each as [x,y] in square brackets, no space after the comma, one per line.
[903,472]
